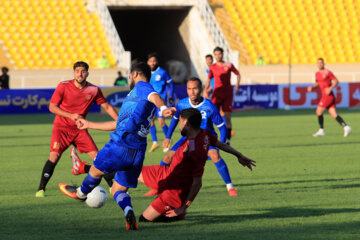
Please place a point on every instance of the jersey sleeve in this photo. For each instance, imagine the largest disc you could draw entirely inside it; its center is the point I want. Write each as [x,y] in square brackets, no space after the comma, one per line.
[100,99]
[58,94]
[167,77]
[144,90]
[210,74]
[216,117]
[234,70]
[178,109]
[331,76]
[213,139]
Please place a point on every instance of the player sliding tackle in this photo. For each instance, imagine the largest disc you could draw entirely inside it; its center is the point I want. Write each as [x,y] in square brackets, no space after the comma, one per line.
[126,149]
[179,183]
[210,116]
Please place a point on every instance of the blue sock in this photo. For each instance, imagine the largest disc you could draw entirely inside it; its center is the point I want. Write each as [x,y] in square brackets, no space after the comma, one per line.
[153,133]
[223,170]
[89,184]
[224,119]
[165,129]
[123,200]
[163,163]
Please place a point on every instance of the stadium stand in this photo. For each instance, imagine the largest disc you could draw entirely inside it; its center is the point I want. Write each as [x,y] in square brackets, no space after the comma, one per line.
[35,38]
[328,28]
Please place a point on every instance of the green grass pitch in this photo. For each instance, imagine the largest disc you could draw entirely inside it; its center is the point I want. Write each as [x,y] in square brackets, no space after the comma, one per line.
[302,187]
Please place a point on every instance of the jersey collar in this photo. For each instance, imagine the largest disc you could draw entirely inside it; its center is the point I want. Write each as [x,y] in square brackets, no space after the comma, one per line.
[196,106]
[155,70]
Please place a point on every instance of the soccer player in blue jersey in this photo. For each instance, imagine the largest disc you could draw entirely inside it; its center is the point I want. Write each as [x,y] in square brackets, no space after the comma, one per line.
[162,83]
[126,149]
[209,61]
[210,116]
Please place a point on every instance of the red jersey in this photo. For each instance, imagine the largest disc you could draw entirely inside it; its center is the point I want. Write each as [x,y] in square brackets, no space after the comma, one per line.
[189,161]
[222,75]
[324,79]
[74,100]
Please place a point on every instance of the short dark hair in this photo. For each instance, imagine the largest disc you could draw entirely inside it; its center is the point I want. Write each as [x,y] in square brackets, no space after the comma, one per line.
[141,68]
[153,54]
[195,79]
[193,116]
[218,49]
[209,56]
[4,69]
[320,59]
[81,64]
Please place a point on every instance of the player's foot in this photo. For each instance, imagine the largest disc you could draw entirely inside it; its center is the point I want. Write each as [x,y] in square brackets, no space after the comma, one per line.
[232,192]
[232,132]
[71,191]
[319,133]
[347,130]
[151,192]
[78,165]
[227,142]
[131,223]
[165,150]
[40,194]
[154,147]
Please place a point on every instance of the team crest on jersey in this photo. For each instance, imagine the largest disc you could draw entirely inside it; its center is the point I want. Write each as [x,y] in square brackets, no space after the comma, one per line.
[88,97]
[226,68]
[203,114]
[56,145]
[157,77]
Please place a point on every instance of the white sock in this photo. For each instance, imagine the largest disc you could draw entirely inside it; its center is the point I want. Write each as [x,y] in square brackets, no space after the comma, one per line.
[127,209]
[80,194]
[154,142]
[229,186]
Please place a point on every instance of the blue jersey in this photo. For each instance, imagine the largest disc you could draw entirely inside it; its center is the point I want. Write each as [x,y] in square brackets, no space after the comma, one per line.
[159,79]
[135,117]
[210,113]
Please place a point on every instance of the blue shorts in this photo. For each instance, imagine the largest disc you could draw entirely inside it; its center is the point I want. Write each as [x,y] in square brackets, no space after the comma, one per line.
[181,140]
[125,161]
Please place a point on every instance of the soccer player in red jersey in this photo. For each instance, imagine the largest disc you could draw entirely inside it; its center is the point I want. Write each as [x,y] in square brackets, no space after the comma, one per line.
[326,80]
[222,95]
[179,183]
[71,101]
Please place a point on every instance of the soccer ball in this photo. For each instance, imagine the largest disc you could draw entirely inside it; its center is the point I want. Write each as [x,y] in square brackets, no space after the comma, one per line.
[96,198]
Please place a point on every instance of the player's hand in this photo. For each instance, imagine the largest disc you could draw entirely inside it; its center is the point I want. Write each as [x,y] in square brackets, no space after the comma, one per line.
[166,143]
[176,212]
[169,112]
[205,94]
[309,89]
[246,162]
[236,90]
[82,124]
[327,91]
[76,116]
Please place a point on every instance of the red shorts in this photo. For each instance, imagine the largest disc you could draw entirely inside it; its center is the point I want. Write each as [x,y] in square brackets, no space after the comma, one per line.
[62,138]
[327,102]
[155,177]
[223,99]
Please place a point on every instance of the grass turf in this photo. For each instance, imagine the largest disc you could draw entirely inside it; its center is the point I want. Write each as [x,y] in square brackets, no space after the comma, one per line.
[302,187]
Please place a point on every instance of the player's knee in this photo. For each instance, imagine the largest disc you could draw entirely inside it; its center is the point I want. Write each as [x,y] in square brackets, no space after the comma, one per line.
[143,219]
[54,157]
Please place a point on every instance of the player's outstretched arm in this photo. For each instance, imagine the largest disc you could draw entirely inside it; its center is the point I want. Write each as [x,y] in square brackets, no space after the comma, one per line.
[104,126]
[309,89]
[246,162]
[110,110]
[159,103]
[194,190]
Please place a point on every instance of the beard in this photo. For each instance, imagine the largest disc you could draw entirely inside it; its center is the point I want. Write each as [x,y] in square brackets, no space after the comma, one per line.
[184,132]
[132,84]
[155,67]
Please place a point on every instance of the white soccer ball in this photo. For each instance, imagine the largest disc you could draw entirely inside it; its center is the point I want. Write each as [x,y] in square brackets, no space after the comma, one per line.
[96,198]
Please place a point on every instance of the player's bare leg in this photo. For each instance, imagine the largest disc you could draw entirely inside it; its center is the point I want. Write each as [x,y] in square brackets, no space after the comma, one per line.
[228,126]
[166,161]
[223,171]
[222,114]
[319,114]
[165,128]
[47,172]
[124,201]
[155,144]
[149,215]
[333,113]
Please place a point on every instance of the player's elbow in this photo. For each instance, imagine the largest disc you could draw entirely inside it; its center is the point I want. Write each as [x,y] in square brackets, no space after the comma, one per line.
[52,108]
